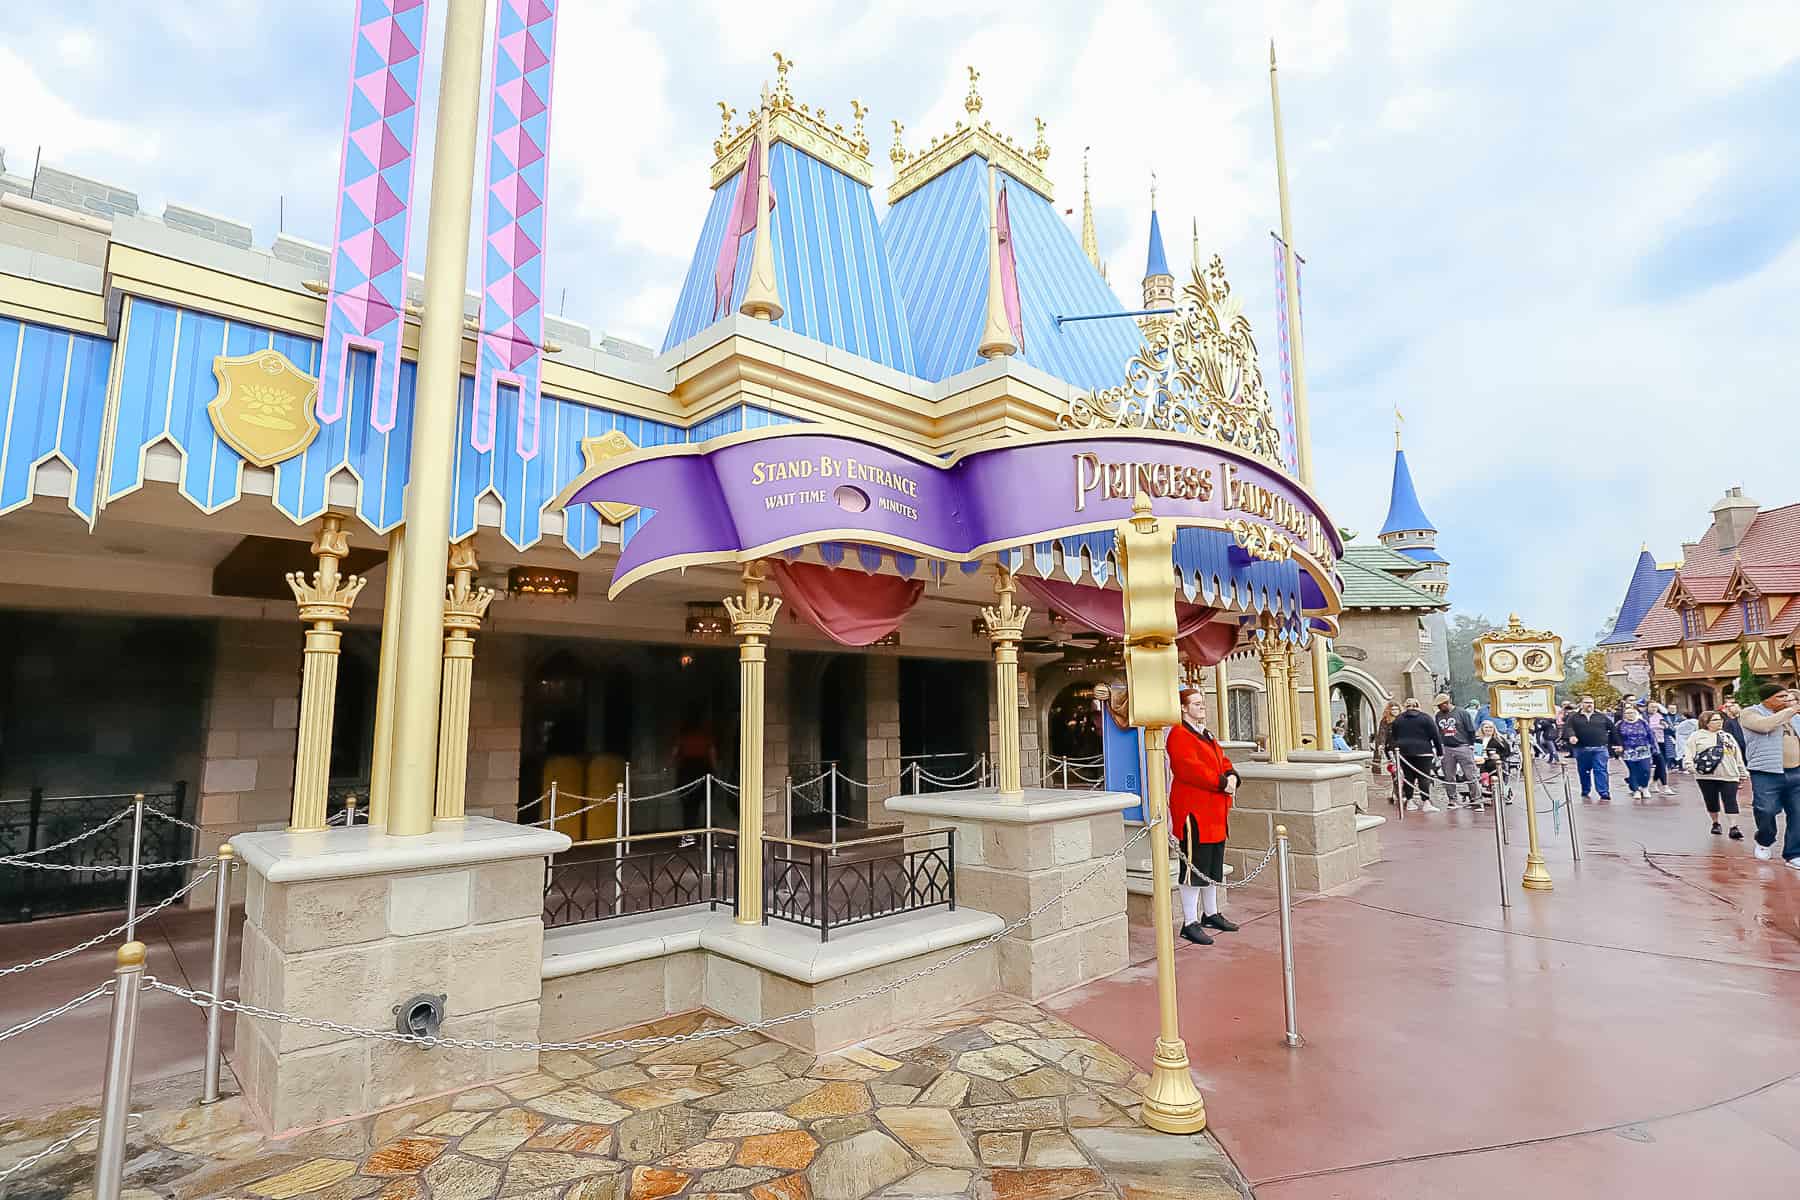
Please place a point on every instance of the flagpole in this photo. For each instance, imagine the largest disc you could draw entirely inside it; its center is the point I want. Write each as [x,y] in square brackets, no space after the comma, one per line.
[1321,671]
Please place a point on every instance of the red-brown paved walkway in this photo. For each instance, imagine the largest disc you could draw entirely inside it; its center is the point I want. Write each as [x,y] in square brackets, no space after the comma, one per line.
[1636,1030]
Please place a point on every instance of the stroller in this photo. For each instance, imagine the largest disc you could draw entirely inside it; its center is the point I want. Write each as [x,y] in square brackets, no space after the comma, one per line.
[1497,779]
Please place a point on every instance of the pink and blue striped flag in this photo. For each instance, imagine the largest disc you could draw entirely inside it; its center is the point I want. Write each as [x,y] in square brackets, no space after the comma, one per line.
[512,291]
[374,208]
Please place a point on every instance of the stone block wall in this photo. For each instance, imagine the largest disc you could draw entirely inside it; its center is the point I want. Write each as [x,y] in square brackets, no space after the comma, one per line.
[1009,868]
[1317,802]
[882,679]
[252,725]
[496,720]
[351,949]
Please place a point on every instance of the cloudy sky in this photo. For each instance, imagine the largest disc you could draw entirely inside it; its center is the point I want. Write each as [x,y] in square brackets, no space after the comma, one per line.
[1560,238]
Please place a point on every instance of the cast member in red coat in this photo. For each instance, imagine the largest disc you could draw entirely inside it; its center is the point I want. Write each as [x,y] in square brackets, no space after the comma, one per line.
[1202,782]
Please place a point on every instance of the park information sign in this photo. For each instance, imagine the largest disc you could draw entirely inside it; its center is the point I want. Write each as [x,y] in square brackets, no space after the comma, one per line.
[762,492]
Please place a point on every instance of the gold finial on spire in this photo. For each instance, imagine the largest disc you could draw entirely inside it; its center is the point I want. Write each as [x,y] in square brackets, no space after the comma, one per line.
[1090,241]
[1271,54]
[1398,421]
[1040,151]
[783,97]
[897,155]
[1194,247]
[972,101]
[1153,191]
[859,110]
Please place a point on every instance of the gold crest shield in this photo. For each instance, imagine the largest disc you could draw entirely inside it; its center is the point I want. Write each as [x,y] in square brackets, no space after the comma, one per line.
[264,409]
[597,450]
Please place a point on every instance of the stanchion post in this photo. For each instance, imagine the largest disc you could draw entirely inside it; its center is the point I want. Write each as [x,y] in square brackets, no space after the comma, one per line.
[349,810]
[1285,890]
[834,798]
[709,825]
[1500,852]
[137,856]
[221,935]
[1569,808]
[790,805]
[115,1090]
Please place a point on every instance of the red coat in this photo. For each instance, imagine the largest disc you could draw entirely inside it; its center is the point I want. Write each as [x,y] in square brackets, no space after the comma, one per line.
[1200,768]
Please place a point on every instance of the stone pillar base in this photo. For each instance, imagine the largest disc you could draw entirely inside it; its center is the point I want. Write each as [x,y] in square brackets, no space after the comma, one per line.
[1014,854]
[1317,801]
[344,924]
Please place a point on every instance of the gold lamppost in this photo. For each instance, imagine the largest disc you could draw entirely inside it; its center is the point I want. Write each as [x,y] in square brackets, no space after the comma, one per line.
[752,617]
[324,605]
[1006,625]
[1524,665]
[1172,1104]
[464,606]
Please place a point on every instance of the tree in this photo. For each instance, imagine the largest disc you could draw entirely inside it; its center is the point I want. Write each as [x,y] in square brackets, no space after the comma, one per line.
[1465,685]
[1595,683]
[1749,683]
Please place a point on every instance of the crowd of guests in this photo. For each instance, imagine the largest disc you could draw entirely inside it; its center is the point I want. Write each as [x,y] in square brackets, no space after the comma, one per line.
[1721,748]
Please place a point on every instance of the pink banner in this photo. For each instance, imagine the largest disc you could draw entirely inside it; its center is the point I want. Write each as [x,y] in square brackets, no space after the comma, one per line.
[1009,271]
[374,208]
[512,305]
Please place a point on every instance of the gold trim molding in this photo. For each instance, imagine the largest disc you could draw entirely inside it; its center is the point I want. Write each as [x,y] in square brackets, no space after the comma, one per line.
[1025,165]
[800,126]
[1199,375]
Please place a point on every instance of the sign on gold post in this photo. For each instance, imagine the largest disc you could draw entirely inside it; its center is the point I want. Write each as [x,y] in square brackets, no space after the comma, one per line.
[264,407]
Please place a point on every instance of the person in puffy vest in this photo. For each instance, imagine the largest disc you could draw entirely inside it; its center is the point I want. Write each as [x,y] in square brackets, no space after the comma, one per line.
[1202,782]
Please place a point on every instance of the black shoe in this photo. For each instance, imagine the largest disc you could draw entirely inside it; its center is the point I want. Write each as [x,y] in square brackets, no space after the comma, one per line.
[1716,829]
[1220,922]
[1196,934]
[1737,835]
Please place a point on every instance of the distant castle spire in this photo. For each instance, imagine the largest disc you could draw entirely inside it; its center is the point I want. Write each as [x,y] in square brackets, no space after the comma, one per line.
[1159,284]
[1407,528]
[1090,241]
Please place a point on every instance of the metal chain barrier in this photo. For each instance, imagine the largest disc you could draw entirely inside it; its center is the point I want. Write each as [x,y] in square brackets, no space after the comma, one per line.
[99,869]
[68,1005]
[115,931]
[21,859]
[202,999]
[1220,883]
[54,1148]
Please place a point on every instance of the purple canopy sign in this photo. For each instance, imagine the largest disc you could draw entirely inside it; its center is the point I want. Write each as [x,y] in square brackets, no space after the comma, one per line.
[752,494]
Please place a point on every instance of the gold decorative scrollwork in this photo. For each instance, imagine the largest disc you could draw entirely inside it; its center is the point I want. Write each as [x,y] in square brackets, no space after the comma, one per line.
[1261,541]
[1199,374]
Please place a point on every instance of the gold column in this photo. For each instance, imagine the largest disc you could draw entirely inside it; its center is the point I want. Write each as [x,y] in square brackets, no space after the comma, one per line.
[1279,700]
[1291,664]
[752,616]
[324,604]
[1172,1104]
[1302,416]
[464,607]
[412,781]
[1537,875]
[1006,625]
[381,762]
[1222,701]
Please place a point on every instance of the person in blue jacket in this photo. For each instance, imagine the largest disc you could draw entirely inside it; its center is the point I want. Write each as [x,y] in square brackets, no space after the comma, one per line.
[1637,741]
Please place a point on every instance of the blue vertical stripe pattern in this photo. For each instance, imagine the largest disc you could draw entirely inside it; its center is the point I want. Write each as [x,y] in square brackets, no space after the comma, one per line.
[734,420]
[831,262]
[526,488]
[937,237]
[54,386]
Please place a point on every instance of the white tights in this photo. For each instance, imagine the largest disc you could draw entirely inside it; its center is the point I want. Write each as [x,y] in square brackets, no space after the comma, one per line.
[1191,898]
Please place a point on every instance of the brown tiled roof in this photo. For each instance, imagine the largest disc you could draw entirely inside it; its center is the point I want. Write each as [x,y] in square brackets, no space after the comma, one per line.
[1769,555]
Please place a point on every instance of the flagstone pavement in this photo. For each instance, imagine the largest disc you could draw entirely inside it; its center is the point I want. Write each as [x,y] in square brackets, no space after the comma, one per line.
[999,1101]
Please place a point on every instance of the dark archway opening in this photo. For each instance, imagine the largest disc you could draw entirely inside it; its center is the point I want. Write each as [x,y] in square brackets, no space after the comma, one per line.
[1074,723]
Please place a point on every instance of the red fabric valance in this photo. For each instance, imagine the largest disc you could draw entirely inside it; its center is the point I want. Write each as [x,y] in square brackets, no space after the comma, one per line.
[849,607]
[1203,637]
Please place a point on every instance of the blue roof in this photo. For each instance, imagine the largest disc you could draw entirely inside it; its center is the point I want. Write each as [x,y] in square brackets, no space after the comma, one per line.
[1158,262]
[1424,554]
[1404,513]
[831,263]
[1647,583]
[937,240]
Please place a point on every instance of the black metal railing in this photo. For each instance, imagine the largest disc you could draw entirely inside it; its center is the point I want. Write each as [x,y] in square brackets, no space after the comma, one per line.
[826,888]
[33,822]
[652,872]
